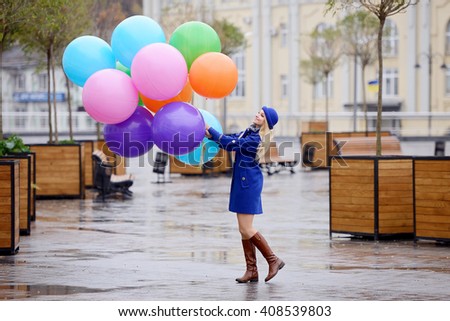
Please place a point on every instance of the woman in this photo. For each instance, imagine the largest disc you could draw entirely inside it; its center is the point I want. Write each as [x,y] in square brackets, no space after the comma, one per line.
[246,187]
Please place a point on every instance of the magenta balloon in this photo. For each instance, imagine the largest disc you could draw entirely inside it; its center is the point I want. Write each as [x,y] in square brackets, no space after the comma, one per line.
[159,71]
[178,128]
[132,137]
[109,96]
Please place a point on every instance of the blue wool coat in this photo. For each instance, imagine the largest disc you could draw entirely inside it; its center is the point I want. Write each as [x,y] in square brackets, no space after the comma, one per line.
[247,180]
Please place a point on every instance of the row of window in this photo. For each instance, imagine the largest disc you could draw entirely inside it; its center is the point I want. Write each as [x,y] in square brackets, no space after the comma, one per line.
[390,39]
[20,82]
[390,82]
[390,77]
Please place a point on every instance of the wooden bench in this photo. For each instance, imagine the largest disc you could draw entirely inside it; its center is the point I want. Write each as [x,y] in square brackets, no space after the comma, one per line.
[273,163]
[355,146]
[107,183]
[317,147]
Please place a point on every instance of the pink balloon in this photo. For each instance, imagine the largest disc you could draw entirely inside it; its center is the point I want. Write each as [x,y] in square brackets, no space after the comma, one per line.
[159,71]
[109,96]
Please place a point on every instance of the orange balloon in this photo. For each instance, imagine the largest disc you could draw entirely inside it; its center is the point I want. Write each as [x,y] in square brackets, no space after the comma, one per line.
[213,75]
[155,105]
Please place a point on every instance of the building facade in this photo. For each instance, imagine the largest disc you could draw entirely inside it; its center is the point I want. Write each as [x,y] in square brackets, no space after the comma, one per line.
[25,98]
[416,72]
[416,81]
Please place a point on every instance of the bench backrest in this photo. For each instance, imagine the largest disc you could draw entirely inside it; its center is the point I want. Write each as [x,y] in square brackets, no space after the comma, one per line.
[103,169]
[390,145]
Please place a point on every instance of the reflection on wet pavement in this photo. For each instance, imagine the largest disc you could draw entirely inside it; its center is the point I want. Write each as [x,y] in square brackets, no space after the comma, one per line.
[177,241]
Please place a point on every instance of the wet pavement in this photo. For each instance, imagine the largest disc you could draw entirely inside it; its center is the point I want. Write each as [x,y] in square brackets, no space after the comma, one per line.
[177,242]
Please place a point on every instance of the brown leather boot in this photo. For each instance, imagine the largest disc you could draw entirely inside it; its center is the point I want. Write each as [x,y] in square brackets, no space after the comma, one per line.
[251,274]
[275,263]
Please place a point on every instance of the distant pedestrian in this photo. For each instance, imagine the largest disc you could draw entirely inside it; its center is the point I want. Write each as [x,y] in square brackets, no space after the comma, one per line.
[246,187]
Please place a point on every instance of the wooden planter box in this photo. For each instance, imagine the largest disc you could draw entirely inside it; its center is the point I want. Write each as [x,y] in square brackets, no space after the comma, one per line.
[33,185]
[89,147]
[432,198]
[9,207]
[27,192]
[372,196]
[59,170]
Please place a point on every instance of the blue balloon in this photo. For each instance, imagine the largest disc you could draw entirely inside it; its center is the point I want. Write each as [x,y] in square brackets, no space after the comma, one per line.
[133,34]
[86,55]
[208,148]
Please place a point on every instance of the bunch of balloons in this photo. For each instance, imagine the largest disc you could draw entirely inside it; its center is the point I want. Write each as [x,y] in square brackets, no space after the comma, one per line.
[141,86]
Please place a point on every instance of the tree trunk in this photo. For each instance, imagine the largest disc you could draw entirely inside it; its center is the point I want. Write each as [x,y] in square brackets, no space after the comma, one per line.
[54,93]
[1,88]
[364,99]
[314,101]
[326,101]
[380,83]
[99,134]
[50,127]
[355,93]
[69,107]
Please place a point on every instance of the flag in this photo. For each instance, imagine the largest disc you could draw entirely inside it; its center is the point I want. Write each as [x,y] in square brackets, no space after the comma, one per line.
[373,86]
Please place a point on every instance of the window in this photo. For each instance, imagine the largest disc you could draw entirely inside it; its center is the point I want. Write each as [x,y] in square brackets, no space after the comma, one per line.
[19,81]
[325,41]
[320,87]
[42,82]
[283,35]
[390,39]
[239,60]
[320,42]
[19,120]
[447,39]
[284,86]
[43,119]
[390,82]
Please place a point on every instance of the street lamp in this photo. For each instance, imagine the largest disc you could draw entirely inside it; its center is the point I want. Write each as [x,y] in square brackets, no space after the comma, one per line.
[429,55]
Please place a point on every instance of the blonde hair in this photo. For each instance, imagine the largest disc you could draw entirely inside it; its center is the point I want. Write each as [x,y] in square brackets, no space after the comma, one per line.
[266,135]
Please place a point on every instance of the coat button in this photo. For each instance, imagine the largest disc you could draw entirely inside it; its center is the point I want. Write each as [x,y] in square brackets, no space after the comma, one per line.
[243,178]
[233,141]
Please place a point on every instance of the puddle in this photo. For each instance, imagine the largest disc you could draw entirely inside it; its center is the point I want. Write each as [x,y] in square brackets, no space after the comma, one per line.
[23,291]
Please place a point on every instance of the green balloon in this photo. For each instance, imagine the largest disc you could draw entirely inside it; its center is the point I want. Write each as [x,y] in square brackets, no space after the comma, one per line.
[193,39]
[123,68]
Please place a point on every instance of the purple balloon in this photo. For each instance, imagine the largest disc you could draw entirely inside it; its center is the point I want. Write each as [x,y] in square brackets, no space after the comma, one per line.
[132,137]
[178,128]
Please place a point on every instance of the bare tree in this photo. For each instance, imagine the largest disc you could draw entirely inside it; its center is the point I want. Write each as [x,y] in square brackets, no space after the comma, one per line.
[12,16]
[325,50]
[382,9]
[231,37]
[46,32]
[360,28]
[175,15]
[310,70]
[106,14]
